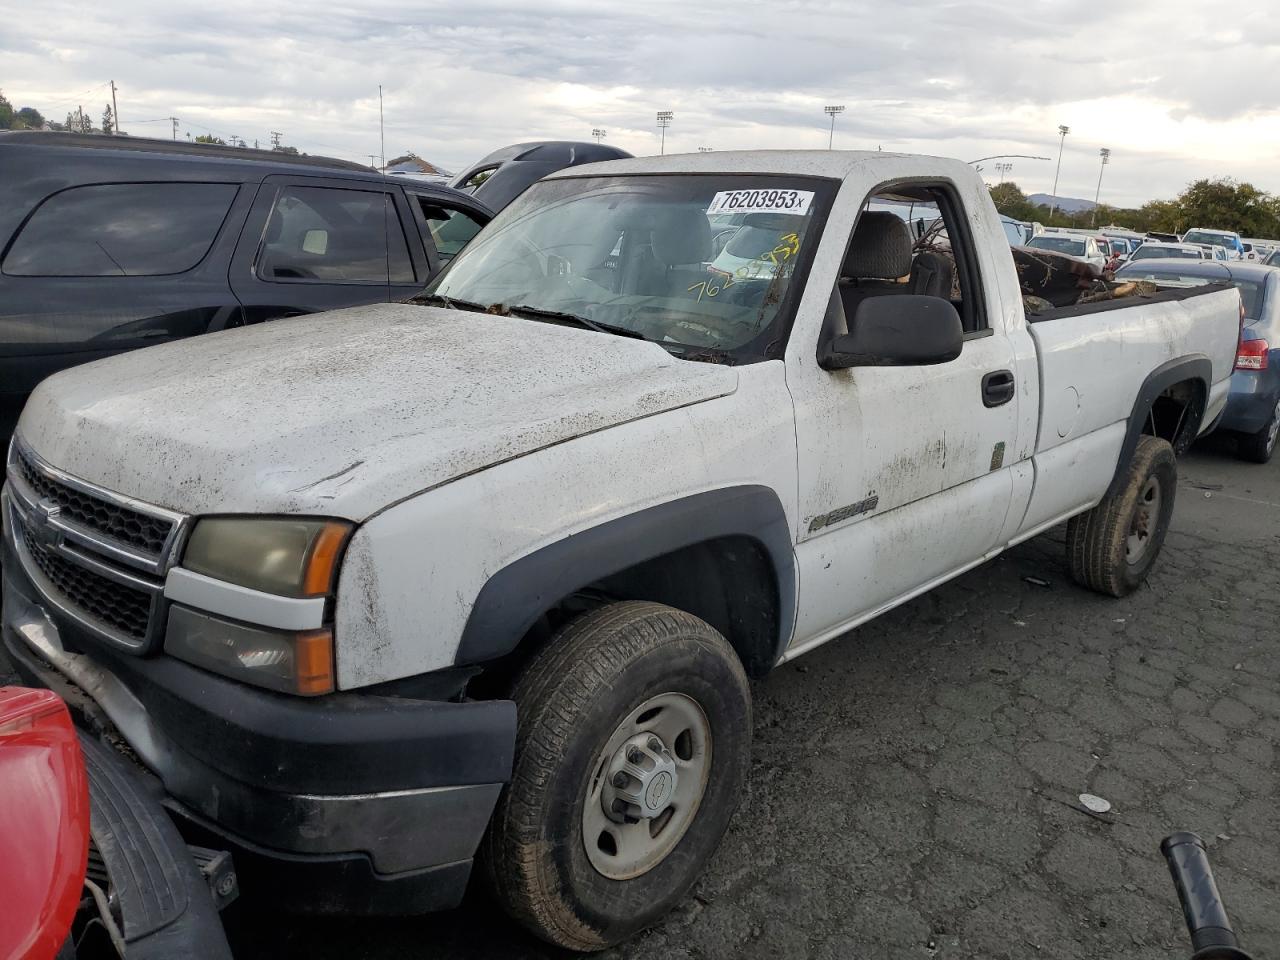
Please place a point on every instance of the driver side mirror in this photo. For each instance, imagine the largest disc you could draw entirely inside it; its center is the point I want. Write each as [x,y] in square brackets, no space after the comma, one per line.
[897,330]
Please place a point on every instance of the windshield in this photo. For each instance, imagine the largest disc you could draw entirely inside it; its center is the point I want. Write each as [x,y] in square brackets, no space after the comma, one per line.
[1250,290]
[1214,239]
[694,263]
[1059,245]
[1148,252]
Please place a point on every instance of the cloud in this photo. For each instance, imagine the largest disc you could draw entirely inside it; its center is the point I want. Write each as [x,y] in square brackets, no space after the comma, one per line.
[1177,90]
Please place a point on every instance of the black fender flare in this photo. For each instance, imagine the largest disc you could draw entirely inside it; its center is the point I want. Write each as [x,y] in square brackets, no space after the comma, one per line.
[1195,367]
[513,598]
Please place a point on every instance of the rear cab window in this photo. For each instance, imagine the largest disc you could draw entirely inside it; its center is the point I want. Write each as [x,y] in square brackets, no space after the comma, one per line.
[120,230]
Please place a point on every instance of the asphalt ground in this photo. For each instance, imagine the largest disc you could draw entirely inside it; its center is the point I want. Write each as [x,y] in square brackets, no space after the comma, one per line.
[914,790]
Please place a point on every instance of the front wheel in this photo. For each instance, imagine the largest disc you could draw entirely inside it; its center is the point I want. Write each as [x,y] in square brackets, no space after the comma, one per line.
[1258,447]
[1112,547]
[632,745]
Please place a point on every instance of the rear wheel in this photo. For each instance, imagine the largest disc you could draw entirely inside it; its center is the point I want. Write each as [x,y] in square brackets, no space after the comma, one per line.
[1112,547]
[1259,446]
[632,745]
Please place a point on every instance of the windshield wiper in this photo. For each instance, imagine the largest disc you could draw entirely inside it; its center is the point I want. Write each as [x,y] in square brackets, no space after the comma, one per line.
[448,302]
[560,316]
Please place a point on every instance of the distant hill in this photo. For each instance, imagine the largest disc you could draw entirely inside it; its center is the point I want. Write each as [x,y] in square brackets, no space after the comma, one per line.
[1065,204]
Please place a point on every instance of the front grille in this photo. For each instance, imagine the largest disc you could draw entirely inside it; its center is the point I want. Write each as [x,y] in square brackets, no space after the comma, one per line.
[129,527]
[120,607]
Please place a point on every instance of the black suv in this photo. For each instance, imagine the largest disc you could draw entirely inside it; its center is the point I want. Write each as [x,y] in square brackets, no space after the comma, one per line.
[113,243]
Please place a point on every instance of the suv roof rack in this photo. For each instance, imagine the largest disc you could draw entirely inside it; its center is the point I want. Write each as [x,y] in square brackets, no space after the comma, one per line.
[53,138]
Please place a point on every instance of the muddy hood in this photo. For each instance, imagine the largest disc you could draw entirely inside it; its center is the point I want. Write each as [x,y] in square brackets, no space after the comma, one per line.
[344,413]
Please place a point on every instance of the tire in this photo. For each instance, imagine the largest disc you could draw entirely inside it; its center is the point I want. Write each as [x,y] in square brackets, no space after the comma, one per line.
[1258,447]
[600,671]
[1112,547]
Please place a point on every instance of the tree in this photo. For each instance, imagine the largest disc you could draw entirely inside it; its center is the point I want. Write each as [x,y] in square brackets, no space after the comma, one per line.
[1012,202]
[1227,205]
[108,120]
[6,112]
[210,138]
[28,118]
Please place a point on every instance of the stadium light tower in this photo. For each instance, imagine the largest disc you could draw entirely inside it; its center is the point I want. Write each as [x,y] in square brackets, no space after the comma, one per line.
[704,149]
[833,112]
[1062,132]
[1105,154]
[1003,169]
[664,120]
[599,134]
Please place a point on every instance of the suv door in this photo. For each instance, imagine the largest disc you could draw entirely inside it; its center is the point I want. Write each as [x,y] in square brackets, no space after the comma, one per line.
[322,243]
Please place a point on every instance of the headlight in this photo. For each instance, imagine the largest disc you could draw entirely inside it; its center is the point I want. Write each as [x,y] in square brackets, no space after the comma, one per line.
[287,661]
[291,557]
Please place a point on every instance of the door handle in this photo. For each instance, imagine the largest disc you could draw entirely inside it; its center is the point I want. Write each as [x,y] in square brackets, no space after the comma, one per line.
[997,388]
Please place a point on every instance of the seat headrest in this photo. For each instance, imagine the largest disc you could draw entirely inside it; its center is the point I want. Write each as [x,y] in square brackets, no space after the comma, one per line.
[682,235]
[880,249]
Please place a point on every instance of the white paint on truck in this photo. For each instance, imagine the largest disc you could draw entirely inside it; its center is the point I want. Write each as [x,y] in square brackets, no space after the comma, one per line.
[463,442]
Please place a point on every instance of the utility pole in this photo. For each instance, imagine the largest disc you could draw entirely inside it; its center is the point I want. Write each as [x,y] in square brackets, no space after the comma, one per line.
[372,157]
[1105,154]
[664,120]
[115,111]
[382,132]
[832,112]
[1062,132]
[275,139]
[174,121]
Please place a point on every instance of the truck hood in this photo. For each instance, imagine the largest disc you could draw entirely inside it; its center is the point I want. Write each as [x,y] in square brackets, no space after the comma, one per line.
[343,413]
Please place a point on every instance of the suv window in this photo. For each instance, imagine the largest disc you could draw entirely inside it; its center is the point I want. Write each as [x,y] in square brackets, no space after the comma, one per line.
[121,230]
[451,230]
[330,235]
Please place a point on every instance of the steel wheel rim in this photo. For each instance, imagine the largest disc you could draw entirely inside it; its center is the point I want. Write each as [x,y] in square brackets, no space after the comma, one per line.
[632,849]
[1145,517]
[1274,430]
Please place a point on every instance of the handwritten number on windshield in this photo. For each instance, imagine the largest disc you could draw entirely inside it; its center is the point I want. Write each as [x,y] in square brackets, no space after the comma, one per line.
[788,247]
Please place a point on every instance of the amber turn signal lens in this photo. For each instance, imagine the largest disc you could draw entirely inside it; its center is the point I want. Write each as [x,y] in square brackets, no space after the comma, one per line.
[313,662]
[322,561]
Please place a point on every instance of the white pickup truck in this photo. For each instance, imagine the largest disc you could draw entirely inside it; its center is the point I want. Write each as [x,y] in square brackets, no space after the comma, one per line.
[381,592]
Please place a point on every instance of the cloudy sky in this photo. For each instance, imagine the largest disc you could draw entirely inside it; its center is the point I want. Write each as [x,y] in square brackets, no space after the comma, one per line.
[1178,89]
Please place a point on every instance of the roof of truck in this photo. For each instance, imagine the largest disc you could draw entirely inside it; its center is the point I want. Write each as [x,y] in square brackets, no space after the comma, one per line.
[835,164]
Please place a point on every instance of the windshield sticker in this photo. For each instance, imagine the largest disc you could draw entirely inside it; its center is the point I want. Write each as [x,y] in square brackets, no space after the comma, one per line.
[761,201]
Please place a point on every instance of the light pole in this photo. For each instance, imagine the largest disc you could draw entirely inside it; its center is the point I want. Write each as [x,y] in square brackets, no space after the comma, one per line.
[832,112]
[704,149]
[664,120]
[1003,169]
[1062,132]
[1105,154]
[599,134]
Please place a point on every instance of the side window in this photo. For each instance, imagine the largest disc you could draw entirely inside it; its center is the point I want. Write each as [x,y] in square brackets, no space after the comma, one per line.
[477,179]
[330,235]
[121,230]
[451,230]
[885,257]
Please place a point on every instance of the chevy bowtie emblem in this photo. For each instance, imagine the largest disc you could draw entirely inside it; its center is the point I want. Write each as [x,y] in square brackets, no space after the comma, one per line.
[41,527]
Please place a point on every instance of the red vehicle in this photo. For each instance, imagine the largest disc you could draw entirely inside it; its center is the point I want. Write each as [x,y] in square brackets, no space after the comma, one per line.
[78,829]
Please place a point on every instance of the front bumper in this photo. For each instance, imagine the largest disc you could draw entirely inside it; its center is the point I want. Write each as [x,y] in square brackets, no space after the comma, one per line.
[347,803]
